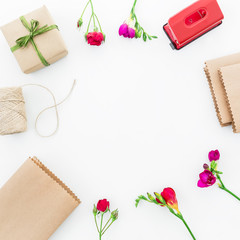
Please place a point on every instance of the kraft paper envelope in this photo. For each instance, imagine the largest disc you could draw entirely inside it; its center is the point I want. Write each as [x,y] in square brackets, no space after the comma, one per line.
[33,203]
[230,77]
[50,43]
[217,88]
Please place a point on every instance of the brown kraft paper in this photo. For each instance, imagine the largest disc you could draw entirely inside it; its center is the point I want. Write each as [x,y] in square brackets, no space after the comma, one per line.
[216,86]
[230,77]
[50,43]
[34,203]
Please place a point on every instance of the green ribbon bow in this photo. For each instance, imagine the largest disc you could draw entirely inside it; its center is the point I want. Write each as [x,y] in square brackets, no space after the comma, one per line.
[34,30]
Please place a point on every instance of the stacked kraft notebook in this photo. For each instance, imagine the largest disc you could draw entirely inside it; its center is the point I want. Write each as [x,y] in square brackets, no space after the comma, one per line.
[34,203]
[223,75]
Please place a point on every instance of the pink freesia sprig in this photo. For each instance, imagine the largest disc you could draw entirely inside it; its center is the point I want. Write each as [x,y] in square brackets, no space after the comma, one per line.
[94,37]
[168,199]
[102,208]
[210,175]
[131,27]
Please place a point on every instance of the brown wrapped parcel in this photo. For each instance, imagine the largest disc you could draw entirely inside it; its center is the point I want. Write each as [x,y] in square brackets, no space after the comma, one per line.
[50,44]
[33,203]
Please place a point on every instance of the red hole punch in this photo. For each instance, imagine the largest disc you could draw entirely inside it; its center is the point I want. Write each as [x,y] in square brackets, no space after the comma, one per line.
[192,22]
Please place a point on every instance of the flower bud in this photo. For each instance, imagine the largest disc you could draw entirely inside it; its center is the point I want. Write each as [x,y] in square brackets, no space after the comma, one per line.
[205,166]
[114,215]
[213,155]
[94,210]
[103,205]
[79,23]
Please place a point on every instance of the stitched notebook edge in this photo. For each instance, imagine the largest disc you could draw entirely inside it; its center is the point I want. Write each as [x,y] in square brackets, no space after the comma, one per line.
[228,102]
[39,164]
[207,73]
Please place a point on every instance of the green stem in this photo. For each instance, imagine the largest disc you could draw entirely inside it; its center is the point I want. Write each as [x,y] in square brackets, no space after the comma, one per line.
[93,14]
[108,227]
[96,222]
[220,180]
[98,23]
[100,232]
[85,9]
[106,223]
[89,23]
[225,189]
[133,8]
[222,186]
[188,228]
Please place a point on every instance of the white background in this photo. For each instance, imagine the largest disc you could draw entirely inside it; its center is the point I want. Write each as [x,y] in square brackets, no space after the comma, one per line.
[141,118]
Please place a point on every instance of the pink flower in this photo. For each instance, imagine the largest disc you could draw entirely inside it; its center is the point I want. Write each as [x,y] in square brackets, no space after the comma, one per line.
[103,205]
[214,155]
[207,179]
[170,198]
[127,31]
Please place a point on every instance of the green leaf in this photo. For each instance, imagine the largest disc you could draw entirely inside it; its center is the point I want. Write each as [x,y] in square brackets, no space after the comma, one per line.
[213,165]
[137,202]
[160,198]
[149,37]
[141,197]
[154,37]
[144,37]
[150,197]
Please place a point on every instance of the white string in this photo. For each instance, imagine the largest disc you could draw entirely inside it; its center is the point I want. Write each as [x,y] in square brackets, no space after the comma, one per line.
[53,106]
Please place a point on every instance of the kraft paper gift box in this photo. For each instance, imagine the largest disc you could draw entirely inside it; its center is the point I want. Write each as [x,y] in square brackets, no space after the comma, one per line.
[33,203]
[50,43]
[230,77]
[216,85]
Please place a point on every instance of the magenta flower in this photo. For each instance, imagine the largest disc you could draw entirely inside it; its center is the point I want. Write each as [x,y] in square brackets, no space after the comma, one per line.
[210,174]
[207,179]
[131,27]
[126,31]
[214,155]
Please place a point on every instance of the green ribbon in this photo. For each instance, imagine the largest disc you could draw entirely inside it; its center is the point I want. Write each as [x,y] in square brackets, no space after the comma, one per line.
[34,30]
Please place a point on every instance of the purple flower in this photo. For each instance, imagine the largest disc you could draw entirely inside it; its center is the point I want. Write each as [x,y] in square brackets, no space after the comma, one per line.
[207,179]
[214,155]
[126,31]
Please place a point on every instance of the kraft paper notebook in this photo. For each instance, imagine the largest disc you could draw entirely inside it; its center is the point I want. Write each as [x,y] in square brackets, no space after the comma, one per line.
[216,86]
[33,203]
[230,77]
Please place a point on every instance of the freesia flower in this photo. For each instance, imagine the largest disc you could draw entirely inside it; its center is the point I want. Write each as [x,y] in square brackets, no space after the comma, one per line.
[103,205]
[207,179]
[96,37]
[102,209]
[131,27]
[166,199]
[210,175]
[170,198]
[126,31]
[213,155]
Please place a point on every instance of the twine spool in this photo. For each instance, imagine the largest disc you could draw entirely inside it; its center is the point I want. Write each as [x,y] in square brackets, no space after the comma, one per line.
[12,110]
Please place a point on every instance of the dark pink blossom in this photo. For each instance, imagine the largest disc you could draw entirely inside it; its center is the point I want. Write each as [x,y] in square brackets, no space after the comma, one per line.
[213,155]
[207,179]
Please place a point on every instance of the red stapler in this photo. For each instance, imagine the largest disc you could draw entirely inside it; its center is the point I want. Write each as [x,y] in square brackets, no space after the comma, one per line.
[192,22]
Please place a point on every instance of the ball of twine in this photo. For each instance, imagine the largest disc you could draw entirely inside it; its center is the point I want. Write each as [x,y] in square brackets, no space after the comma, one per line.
[12,111]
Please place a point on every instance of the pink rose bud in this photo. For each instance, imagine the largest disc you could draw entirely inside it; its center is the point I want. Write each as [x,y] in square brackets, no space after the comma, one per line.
[103,205]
